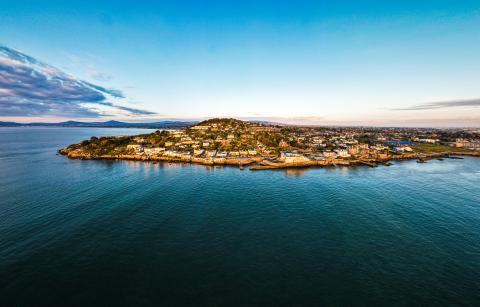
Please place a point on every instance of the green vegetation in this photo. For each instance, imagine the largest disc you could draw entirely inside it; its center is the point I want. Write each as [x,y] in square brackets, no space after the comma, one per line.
[434,148]
[101,146]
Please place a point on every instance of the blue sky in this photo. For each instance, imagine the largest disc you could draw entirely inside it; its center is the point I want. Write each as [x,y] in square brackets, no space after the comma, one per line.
[411,63]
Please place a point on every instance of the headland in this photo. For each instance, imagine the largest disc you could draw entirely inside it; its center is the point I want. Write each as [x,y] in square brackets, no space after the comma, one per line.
[261,146]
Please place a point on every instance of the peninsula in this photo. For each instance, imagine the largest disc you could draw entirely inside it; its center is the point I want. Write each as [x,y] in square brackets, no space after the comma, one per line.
[259,146]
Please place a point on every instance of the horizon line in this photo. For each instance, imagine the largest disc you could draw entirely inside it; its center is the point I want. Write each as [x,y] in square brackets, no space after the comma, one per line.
[260,120]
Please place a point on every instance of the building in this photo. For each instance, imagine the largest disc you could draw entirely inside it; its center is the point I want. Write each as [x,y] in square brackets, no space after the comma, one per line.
[472,145]
[210,153]
[172,153]
[135,147]
[402,148]
[459,142]
[222,154]
[198,152]
[329,154]
[139,140]
[353,150]
[201,128]
[289,157]
[343,153]
[430,141]
[283,144]
[178,133]
[150,151]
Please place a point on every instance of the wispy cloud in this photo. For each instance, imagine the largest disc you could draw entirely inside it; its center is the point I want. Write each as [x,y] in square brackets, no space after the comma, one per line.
[442,104]
[29,87]
[98,75]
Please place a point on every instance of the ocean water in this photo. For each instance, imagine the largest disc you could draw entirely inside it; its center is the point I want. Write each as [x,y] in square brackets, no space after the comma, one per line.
[122,233]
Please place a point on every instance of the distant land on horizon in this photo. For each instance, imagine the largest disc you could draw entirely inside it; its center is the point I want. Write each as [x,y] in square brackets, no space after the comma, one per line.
[105,124]
[177,124]
[120,124]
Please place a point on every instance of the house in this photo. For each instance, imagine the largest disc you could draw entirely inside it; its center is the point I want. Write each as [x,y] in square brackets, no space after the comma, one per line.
[472,145]
[210,153]
[379,147]
[353,150]
[289,157]
[168,144]
[198,152]
[186,155]
[222,154]
[329,154]
[459,143]
[317,140]
[430,141]
[153,150]
[135,147]
[177,133]
[139,140]
[172,153]
[343,153]
[402,148]
[283,144]
[200,128]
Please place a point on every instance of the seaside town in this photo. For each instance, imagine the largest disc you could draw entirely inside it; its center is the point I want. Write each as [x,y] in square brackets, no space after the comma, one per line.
[268,146]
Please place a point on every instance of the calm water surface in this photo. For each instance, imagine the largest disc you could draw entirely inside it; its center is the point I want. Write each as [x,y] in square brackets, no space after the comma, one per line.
[83,233]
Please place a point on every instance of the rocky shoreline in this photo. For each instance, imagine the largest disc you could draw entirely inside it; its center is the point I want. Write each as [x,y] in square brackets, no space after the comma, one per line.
[265,163]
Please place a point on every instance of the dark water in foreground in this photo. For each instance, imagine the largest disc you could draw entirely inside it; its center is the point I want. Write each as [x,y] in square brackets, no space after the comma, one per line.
[82,233]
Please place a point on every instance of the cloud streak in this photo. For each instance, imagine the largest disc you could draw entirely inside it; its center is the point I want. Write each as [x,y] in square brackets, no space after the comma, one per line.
[442,105]
[29,87]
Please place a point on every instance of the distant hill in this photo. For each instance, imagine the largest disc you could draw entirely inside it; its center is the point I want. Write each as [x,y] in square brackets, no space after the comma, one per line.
[9,124]
[108,124]
[234,121]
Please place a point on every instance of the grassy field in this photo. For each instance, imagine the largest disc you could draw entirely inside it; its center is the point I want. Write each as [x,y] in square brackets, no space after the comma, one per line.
[432,148]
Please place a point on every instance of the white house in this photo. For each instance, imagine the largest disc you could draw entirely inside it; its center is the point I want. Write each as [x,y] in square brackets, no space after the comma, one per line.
[342,153]
[289,157]
[135,147]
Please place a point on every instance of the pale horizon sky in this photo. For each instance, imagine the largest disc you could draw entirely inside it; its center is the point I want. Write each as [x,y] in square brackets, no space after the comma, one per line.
[384,63]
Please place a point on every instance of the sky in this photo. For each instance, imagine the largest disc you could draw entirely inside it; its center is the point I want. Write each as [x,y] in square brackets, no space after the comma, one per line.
[382,63]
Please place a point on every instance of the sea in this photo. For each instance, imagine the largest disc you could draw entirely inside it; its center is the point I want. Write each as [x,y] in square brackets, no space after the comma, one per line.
[126,233]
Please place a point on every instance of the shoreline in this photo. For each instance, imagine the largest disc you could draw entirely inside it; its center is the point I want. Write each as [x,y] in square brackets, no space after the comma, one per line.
[256,163]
